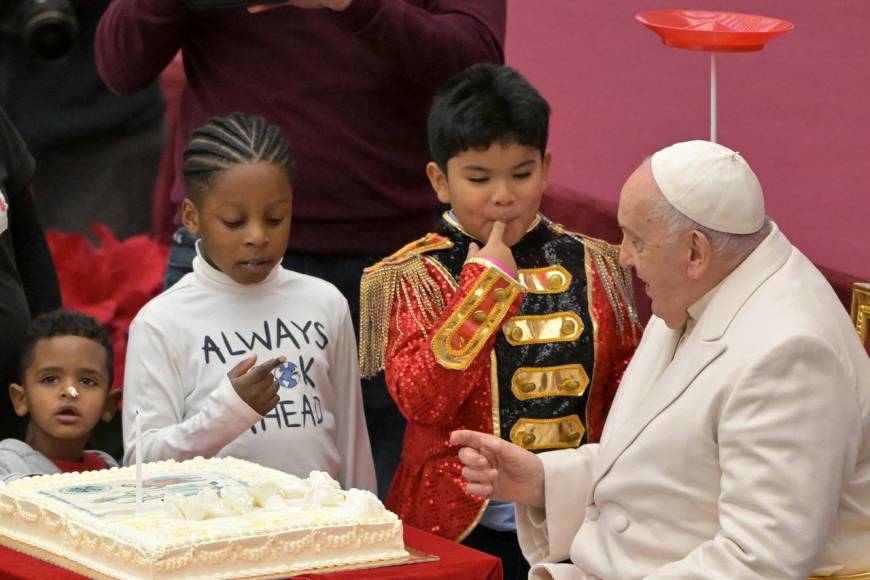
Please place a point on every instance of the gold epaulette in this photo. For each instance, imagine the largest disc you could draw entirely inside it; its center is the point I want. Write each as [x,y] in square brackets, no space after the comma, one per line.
[617,284]
[615,279]
[480,314]
[401,275]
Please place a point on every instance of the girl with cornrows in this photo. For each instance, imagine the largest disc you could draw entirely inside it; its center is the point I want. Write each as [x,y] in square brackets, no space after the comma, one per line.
[242,357]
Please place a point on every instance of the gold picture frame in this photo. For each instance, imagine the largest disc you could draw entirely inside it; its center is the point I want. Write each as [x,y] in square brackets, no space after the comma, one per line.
[861,311]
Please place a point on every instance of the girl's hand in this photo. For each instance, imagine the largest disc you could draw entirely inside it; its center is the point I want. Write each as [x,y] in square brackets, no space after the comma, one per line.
[255,385]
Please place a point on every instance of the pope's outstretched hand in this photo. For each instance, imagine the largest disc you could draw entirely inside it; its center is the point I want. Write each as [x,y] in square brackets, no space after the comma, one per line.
[500,470]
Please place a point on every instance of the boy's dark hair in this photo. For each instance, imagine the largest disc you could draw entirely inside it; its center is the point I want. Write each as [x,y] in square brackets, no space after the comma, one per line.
[65,323]
[482,105]
[232,140]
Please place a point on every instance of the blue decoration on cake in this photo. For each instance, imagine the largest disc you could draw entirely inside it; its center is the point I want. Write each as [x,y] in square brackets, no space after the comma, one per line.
[89,488]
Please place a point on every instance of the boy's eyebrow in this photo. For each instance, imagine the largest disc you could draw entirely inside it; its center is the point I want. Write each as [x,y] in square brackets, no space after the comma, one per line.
[482,168]
[524,163]
[59,369]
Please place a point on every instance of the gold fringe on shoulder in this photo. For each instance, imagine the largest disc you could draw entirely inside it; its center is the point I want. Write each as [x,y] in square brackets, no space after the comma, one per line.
[404,279]
[617,284]
[615,279]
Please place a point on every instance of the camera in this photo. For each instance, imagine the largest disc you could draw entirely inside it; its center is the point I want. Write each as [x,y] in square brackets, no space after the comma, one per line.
[46,27]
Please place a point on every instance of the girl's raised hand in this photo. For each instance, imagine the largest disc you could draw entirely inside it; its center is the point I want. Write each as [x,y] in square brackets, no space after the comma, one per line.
[255,385]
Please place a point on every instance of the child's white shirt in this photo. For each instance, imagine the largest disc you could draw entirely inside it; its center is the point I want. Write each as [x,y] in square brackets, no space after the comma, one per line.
[183,343]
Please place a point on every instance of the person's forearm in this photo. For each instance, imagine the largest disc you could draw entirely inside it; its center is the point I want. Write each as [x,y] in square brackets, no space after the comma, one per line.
[419,356]
[135,41]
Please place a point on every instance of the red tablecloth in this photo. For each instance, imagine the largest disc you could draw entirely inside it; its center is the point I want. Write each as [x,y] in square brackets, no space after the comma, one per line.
[456,562]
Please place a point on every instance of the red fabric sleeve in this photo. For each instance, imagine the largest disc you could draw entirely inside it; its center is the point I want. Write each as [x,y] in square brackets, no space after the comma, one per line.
[426,392]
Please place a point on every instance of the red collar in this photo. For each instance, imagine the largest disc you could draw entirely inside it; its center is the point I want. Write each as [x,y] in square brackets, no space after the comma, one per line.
[90,461]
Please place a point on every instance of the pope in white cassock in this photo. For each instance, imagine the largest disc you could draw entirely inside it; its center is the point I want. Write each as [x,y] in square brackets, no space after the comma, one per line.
[738,445]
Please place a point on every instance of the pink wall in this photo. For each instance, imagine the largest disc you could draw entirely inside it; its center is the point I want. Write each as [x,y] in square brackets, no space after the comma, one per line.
[799,110]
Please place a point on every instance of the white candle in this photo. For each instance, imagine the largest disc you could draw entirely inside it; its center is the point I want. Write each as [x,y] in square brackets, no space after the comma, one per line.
[138,429]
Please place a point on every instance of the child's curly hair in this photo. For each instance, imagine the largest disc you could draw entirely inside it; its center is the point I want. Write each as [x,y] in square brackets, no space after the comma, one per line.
[65,323]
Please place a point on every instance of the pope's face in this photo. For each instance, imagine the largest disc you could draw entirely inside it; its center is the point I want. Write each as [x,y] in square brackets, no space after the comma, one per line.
[660,258]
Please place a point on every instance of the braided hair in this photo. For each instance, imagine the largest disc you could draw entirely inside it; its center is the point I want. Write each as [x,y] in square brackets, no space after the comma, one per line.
[232,140]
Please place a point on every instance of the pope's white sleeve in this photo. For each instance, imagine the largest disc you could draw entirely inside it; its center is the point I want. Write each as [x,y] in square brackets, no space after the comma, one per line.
[352,437]
[788,436]
[153,387]
[545,535]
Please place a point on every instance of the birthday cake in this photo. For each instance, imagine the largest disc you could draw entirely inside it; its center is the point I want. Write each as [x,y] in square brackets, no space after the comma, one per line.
[203,518]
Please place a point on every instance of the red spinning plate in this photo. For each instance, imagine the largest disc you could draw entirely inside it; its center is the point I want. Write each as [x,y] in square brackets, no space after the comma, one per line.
[713,31]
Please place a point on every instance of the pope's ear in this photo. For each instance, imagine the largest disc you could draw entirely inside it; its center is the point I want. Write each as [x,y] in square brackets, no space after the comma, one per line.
[700,255]
[19,399]
[438,179]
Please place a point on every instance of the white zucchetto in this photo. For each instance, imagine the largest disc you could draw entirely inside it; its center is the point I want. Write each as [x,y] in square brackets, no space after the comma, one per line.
[710,184]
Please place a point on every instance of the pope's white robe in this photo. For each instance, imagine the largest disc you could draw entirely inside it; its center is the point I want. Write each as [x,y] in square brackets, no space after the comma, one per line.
[745,455]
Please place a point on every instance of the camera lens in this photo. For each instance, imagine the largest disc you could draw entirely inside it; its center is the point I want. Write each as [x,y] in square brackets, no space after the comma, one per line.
[48,27]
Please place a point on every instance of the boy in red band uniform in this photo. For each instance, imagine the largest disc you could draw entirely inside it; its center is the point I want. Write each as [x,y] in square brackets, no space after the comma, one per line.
[525,337]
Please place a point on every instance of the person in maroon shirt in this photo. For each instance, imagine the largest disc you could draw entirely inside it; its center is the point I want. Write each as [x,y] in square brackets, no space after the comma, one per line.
[350,83]
[66,378]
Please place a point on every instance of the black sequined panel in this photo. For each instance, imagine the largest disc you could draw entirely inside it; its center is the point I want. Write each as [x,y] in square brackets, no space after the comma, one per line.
[453,258]
[539,248]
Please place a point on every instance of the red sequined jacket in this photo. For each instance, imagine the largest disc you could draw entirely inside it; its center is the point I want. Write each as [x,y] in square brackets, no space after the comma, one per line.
[535,360]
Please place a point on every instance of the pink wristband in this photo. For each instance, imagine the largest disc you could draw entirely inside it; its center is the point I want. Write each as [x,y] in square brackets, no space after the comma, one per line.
[502,266]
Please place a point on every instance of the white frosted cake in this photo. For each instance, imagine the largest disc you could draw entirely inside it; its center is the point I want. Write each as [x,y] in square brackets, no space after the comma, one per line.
[203,518]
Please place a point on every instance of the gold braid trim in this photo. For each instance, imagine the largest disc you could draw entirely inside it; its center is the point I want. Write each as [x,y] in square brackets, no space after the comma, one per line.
[401,276]
[461,358]
[617,284]
[615,279]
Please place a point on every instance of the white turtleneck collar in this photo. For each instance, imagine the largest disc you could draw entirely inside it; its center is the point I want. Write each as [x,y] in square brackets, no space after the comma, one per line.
[210,275]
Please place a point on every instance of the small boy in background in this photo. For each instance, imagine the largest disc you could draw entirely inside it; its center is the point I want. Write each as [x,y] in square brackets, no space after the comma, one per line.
[66,379]
[499,320]
[192,367]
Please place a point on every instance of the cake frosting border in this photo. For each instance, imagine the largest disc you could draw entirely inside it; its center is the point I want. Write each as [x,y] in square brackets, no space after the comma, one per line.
[88,541]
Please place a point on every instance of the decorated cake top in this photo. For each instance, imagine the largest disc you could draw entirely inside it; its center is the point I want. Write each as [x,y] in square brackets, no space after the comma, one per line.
[186,502]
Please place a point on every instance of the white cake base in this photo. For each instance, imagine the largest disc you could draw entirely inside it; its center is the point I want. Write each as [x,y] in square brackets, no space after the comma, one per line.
[89,523]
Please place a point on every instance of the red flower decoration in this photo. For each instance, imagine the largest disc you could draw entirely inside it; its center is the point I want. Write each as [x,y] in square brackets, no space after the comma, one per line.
[110,282]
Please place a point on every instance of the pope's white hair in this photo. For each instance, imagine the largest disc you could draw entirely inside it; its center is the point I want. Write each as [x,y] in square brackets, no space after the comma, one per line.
[725,245]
